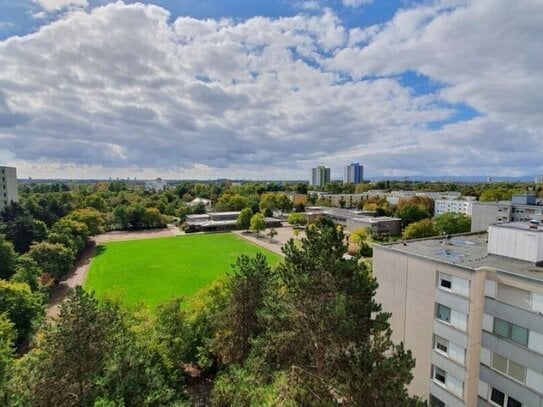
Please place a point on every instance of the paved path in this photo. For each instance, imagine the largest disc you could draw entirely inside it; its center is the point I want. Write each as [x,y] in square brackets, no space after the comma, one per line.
[81,267]
[283,235]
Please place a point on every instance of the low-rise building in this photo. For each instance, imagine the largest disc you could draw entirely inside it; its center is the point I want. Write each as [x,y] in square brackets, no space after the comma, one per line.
[355,219]
[157,185]
[464,206]
[217,221]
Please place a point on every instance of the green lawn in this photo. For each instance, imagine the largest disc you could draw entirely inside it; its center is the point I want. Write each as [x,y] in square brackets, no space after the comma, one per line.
[155,270]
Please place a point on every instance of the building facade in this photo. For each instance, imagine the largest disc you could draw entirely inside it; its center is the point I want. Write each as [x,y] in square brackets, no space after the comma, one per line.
[320,176]
[353,174]
[8,186]
[442,206]
[521,208]
[157,185]
[471,313]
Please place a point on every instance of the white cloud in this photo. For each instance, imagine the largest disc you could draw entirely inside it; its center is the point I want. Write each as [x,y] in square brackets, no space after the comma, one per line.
[52,5]
[123,90]
[356,3]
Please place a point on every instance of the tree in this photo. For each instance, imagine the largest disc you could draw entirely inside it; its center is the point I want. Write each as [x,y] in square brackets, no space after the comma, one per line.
[258,223]
[231,202]
[54,258]
[420,229]
[360,235]
[22,230]
[244,218]
[77,231]
[7,258]
[7,338]
[27,271]
[22,307]
[272,233]
[89,357]
[153,218]
[283,203]
[451,223]
[297,219]
[94,220]
[73,353]
[412,213]
[268,202]
[246,289]
[325,340]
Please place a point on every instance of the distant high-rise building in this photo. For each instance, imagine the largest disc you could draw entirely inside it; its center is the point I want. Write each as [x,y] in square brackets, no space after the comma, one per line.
[539,179]
[353,173]
[320,176]
[8,186]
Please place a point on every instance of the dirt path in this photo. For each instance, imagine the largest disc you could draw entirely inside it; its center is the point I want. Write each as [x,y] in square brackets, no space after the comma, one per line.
[79,272]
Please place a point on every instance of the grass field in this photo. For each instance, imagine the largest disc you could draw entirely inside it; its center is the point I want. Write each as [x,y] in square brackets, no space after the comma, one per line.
[155,270]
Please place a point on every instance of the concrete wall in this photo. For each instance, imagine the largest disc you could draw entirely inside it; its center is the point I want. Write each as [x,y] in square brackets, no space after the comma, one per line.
[485,214]
[406,289]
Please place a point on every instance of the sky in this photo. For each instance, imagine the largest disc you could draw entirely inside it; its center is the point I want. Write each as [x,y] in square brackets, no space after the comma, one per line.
[254,89]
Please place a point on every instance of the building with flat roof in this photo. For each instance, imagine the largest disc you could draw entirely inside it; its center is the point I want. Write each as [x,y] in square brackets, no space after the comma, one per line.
[217,221]
[521,208]
[157,185]
[464,206]
[353,173]
[320,176]
[355,219]
[9,191]
[470,308]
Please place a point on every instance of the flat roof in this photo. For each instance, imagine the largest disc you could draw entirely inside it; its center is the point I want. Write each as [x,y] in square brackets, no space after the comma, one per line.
[467,251]
[377,219]
[519,226]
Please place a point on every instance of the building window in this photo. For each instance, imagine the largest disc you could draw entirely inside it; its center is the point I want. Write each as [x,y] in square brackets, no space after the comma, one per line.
[448,381]
[441,344]
[445,281]
[435,402]
[514,296]
[440,375]
[501,399]
[449,349]
[508,367]
[511,331]
[443,313]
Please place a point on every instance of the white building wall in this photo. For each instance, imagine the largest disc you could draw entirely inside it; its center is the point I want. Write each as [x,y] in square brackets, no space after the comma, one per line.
[451,205]
[522,244]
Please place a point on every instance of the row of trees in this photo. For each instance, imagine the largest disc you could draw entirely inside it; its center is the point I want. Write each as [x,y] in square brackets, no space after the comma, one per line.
[305,333]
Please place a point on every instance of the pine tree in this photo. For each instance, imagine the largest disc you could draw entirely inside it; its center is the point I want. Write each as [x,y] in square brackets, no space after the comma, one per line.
[325,340]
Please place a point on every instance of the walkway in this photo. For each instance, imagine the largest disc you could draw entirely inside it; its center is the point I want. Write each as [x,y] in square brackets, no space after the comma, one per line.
[283,235]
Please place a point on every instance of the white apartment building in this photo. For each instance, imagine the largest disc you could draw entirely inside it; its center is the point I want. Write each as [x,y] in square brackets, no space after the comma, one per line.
[470,308]
[442,206]
[8,186]
[157,185]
